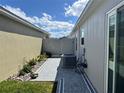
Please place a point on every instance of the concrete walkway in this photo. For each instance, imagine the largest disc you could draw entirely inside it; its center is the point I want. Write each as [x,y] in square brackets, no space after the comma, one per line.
[52,70]
[48,71]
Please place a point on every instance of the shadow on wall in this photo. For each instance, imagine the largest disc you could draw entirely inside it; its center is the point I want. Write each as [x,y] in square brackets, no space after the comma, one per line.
[56,47]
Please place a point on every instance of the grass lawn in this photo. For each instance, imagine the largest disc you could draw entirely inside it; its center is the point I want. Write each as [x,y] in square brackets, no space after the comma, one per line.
[26,87]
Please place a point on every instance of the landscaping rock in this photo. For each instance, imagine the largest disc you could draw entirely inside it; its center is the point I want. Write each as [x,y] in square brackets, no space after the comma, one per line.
[27,76]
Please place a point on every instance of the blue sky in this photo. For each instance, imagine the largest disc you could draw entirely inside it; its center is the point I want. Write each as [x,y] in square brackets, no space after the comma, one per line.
[55,16]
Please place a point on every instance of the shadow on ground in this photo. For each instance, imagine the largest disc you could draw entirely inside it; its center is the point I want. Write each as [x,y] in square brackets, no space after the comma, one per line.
[73,82]
[53,70]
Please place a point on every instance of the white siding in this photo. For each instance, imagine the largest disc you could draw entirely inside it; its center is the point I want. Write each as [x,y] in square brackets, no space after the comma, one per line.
[95,43]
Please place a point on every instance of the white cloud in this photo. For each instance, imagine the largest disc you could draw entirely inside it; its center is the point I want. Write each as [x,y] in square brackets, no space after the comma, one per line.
[76,8]
[46,22]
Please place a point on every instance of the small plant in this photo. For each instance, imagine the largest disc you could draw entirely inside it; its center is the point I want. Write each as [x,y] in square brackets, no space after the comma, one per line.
[21,73]
[45,55]
[38,58]
[27,68]
[42,57]
[32,62]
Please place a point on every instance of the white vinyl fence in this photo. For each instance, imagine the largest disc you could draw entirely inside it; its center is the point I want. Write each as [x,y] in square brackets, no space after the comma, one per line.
[58,46]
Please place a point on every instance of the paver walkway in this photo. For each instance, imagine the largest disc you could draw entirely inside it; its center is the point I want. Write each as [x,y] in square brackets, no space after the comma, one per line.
[52,70]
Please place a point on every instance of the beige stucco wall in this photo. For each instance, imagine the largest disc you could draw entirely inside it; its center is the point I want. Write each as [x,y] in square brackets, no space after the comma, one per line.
[14,50]
[17,44]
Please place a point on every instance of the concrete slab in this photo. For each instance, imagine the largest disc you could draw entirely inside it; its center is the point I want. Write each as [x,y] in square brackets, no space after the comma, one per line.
[48,71]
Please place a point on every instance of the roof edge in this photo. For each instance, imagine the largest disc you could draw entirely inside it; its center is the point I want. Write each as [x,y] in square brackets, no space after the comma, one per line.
[81,15]
[21,20]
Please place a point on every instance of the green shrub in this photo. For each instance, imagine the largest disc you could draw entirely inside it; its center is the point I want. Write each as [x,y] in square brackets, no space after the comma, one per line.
[38,59]
[21,73]
[27,68]
[32,62]
[42,57]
